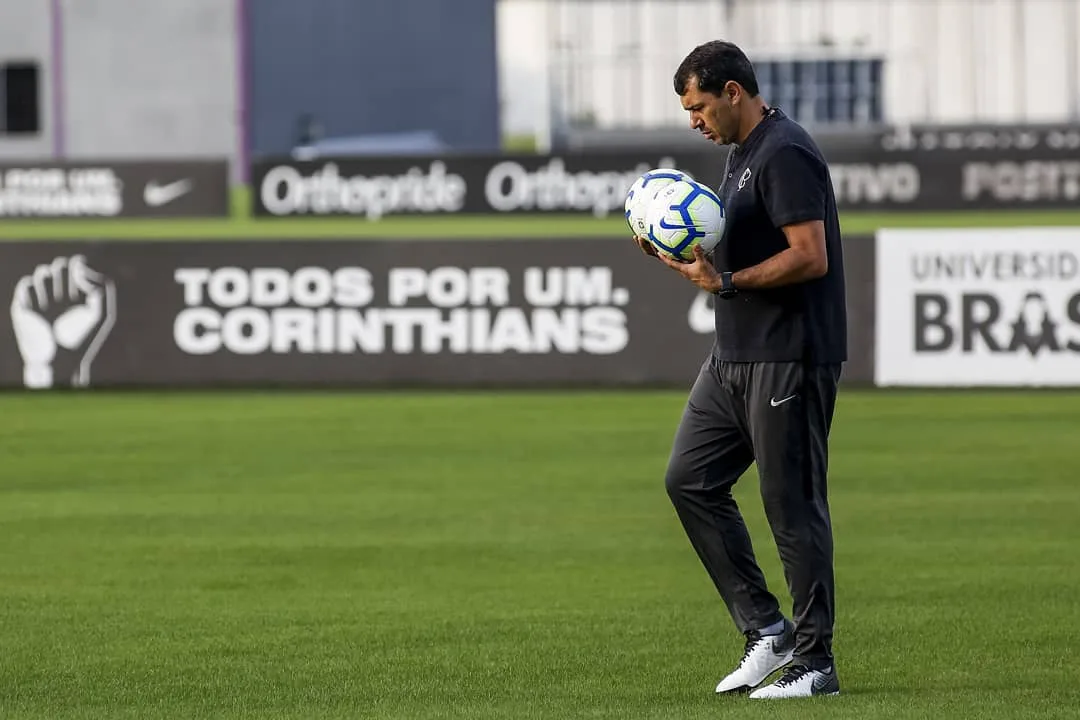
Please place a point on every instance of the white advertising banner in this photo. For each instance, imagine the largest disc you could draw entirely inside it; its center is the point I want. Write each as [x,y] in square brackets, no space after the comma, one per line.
[978,307]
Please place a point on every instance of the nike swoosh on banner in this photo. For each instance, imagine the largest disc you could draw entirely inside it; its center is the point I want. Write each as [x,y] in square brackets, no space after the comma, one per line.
[157,195]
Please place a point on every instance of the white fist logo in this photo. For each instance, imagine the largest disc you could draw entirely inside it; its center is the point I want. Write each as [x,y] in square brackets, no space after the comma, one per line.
[61,312]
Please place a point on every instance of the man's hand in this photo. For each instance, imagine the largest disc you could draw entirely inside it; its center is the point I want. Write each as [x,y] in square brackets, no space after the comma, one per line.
[646,247]
[700,271]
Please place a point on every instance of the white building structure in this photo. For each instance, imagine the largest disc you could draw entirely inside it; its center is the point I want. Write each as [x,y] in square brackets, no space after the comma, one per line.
[609,63]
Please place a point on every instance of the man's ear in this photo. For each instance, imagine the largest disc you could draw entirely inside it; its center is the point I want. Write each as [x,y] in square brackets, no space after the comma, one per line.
[731,92]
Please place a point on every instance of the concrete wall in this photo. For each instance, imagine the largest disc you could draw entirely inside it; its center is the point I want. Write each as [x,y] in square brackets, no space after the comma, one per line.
[375,66]
[149,78]
[25,27]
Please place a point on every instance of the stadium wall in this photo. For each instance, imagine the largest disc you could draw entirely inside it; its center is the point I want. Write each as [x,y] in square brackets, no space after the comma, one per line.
[586,312]
[25,36]
[149,79]
[927,307]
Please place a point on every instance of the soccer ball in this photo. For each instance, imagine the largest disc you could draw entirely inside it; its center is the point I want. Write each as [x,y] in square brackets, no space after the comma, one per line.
[683,214]
[643,191]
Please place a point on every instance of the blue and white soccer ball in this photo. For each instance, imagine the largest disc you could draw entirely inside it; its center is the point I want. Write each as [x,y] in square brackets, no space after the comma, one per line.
[643,191]
[683,214]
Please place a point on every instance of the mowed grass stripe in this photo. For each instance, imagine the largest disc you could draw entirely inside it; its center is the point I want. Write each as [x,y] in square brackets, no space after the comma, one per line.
[509,555]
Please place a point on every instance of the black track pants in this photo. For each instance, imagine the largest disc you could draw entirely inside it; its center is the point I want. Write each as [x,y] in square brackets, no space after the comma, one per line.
[777,414]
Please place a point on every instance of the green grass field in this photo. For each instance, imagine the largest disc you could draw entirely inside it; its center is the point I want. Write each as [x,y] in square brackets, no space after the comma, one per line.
[242,226]
[495,555]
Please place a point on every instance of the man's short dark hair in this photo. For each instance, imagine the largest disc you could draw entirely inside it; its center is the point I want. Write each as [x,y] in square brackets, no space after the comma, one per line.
[714,64]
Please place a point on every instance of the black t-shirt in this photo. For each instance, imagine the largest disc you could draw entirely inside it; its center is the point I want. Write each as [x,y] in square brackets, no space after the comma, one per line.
[775,178]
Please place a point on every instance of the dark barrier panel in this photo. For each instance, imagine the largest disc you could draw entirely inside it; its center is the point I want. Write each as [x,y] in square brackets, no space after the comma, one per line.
[594,184]
[151,188]
[859,263]
[1040,177]
[923,180]
[589,312]
[984,138]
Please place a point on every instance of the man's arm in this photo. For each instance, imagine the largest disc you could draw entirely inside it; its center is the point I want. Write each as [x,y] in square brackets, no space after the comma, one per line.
[794,189]
[805,259]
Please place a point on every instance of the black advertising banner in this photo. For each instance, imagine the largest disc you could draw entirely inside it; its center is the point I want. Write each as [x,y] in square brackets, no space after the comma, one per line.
[593,184]
[970,138]
[516,313]
[107,189]
[574,312]
[922,180]
[1045,175]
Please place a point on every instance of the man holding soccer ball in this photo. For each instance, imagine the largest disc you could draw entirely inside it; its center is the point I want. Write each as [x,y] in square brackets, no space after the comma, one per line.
[767,391]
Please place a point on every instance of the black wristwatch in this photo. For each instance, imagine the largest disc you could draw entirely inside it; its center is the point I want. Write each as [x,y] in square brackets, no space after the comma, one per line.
[727,287]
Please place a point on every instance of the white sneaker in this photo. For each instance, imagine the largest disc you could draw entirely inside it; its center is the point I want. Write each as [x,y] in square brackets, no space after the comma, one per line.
[763,656]
[801,681]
